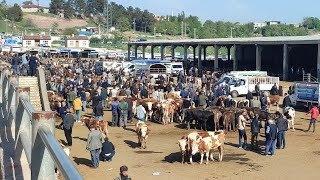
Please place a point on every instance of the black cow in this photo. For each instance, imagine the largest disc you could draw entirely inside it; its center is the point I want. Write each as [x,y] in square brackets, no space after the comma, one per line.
[199,115]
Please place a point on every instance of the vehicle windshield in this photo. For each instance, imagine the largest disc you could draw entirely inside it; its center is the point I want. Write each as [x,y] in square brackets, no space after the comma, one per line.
[176,66]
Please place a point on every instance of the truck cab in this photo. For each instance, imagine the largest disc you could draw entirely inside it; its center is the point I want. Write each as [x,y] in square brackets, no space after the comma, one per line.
[304,93]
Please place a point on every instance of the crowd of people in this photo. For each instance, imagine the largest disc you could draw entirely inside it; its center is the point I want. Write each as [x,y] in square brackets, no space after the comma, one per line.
[74,80]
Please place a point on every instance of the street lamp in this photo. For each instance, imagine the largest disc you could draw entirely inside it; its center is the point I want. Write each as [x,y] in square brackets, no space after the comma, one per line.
[231,31]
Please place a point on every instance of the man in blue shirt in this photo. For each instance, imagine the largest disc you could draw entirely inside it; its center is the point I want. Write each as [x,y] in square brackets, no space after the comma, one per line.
[141,113]
[33,63]
[115,114]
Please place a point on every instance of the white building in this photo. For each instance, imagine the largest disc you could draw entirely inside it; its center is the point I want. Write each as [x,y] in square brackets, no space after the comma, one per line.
[257,25]
[36,40]
[77,41]
[270,23]
[31,8]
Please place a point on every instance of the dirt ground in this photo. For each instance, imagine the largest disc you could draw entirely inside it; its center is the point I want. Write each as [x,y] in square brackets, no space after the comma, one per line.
[300,159]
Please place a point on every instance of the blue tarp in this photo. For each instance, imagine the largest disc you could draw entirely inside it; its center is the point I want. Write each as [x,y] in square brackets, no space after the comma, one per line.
[85,33]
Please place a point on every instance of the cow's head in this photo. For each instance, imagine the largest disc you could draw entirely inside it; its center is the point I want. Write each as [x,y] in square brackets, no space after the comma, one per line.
[195,145]
[183,145]
[149,104]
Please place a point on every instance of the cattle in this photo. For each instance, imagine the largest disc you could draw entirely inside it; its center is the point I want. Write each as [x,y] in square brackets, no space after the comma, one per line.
[201,116]
[290,113]
[243,103]
[204,143]
[183,145]
[149,104]
[273,100]
[229,120]
[100,125]
[216,117]
[142,131]
[221,100]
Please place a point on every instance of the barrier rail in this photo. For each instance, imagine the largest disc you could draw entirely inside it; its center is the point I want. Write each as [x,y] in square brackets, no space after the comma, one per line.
[34,130]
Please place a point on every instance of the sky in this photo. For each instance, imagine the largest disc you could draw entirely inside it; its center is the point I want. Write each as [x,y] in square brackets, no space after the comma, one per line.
[243,11]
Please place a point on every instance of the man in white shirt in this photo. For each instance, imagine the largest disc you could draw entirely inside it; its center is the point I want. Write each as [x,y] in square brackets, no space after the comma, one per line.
[141,113]
[114,92]
[241,129]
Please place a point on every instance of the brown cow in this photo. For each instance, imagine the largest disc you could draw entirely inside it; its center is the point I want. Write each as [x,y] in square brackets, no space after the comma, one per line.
[273,100]
[142,131]
[229,120]
[100,125]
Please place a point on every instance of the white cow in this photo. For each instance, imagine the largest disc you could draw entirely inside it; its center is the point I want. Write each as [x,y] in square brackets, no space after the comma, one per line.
[290,113]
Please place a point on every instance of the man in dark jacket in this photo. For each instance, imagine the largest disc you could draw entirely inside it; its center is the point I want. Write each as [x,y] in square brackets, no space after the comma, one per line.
[257,90]
[143,93]
[130,104]
[282,125]
[107,151]
[264,103]
[95,101]
[249,96]
[33,63]
[68,122]
[15,64]
[274,90]
[98,111]
[286,101]
[271,135]
[104,96]
[255,130]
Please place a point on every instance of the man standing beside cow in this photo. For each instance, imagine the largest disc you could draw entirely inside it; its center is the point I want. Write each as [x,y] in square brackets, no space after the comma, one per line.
[241,129]
[123,109]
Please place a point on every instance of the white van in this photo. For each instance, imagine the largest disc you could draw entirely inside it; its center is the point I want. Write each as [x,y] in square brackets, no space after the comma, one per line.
[176,67]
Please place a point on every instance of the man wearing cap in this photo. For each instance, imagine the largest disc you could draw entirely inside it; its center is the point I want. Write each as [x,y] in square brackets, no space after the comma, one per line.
[68,122]
[123,174]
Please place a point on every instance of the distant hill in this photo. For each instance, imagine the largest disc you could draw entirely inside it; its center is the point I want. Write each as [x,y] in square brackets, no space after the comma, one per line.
[46,22]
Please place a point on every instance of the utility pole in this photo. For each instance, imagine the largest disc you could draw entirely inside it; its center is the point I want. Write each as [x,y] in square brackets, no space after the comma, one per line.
[182,29]
[134,25]
[185,29]
[195,33]
[231,32]
[154,31]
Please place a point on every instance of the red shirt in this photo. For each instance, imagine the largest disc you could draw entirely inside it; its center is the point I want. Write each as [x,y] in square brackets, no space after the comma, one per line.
[314,113]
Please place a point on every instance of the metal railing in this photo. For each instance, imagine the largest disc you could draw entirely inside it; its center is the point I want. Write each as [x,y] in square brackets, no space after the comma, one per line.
[308,78]
[34,130]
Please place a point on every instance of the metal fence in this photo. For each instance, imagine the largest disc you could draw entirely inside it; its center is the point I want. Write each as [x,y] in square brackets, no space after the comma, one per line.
[34,130]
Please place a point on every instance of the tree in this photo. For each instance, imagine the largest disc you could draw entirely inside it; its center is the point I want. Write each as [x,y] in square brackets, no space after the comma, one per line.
[80,7]
[27,2]
[54,26]
[56,6]
[123,24]
[68,10]
[14,13]
[70,31]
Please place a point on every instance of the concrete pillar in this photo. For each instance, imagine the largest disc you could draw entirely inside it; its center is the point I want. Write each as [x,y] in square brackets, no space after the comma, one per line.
[235,60]
[144,52]
[216,57]
[258,57]
[185,53]
[204,52]
[285,62]
[318,62]
[42,166]
[152,52]
[194,52]
[136,52]
[229,53]
[173,48]
[162,52]
[129,52]
[199,58]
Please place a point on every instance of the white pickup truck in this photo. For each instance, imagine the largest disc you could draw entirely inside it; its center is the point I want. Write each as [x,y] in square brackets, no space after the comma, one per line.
[304,93]
[241,85]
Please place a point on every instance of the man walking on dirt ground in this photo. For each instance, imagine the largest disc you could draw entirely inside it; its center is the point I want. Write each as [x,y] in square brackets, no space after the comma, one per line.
[314,115]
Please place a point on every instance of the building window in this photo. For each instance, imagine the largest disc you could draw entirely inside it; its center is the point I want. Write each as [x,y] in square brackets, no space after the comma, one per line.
[71,43]
[28,43]
[84,43]
[45,42]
